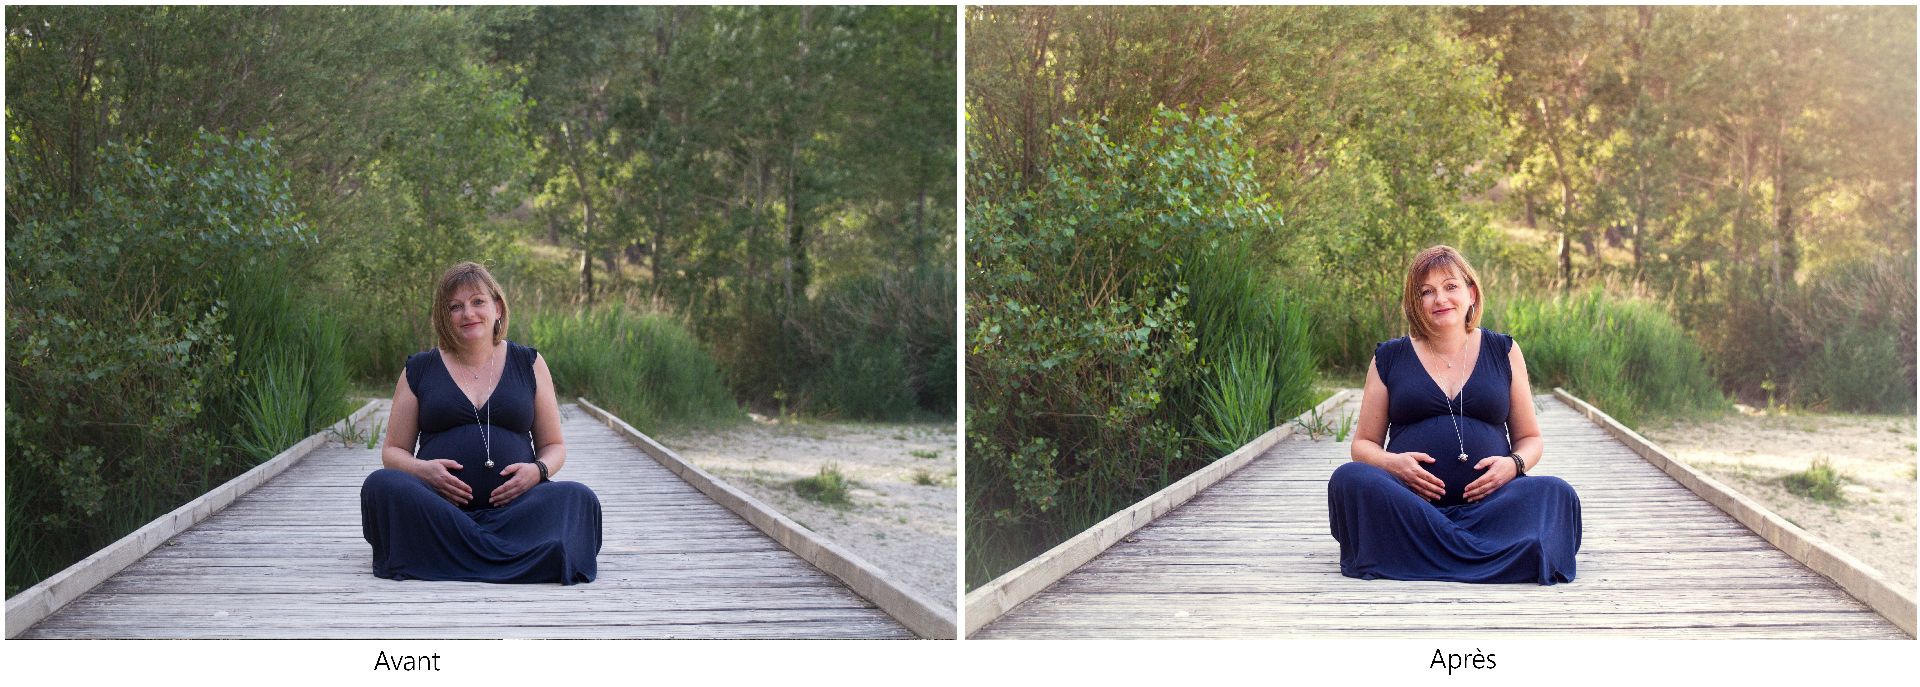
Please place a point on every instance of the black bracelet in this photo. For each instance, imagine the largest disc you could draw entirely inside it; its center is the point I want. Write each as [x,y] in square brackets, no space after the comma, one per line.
[543,471]
[1519,465]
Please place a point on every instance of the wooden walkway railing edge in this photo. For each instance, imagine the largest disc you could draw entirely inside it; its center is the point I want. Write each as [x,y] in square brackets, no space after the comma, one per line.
[1016,586]
[35,603]
[1858,579]
[909,607]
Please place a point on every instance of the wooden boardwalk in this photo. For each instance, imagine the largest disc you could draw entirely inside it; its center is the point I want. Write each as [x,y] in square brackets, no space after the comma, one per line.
[1253,557]
[287,561]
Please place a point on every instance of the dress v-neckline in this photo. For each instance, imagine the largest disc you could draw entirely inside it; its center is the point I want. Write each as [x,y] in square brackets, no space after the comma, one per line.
[1471,371]
[484,402]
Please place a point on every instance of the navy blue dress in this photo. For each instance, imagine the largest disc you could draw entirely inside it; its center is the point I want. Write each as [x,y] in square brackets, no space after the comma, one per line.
[1525,531]
[551,533]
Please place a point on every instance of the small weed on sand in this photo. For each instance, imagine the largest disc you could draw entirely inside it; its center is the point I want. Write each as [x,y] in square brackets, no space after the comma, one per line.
[829,486]
[1819,482]
[929,455]
[925,479]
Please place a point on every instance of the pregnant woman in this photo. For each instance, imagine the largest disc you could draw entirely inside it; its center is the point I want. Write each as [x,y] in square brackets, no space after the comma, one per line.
[1438,487]
[472,440]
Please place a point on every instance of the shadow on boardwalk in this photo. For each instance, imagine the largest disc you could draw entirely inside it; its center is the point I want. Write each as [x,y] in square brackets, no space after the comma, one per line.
[1253,557]
[288,560]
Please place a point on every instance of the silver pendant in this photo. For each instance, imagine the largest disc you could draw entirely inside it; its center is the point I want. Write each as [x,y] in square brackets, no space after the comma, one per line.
[490,461]
[1463,459]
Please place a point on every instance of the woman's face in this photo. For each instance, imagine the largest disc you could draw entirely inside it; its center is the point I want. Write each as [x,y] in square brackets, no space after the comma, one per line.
[473,312]
[1445,297]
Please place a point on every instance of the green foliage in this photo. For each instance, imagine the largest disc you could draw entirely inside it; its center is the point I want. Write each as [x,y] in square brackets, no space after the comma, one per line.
[1853,321]
[121,348]
[274,407]
[828,487]
[175,281]
[1080,330]
[1820,482]
[644,367]
[1628,357]
[877,347]
[1255,354]
[289,360]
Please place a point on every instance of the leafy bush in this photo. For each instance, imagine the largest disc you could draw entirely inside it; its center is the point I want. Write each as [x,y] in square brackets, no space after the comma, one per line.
[877,347]
[829,486]
[121,346]
[1081,357]
[1820,482]
[1627,357]
[1855,321]
[643,366]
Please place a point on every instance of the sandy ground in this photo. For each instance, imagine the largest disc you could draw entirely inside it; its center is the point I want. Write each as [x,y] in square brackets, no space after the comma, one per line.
[906,529]
[1751,452]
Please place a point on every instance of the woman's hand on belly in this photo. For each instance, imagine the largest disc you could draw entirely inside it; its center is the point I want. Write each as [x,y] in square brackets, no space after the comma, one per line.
[435,472]
[1499,471]
[520,478]
[1406,467]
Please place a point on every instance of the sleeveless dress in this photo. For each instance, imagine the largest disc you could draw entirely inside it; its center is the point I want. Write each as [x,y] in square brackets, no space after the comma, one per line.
[1525,531]
[551,533]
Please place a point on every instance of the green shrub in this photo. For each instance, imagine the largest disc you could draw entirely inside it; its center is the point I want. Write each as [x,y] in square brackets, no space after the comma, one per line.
[1627,357]
[1855,321]
[865,379]
[1820,482]
[643,366]
[1082,372]
[120,343]
[828,487]
[877,347]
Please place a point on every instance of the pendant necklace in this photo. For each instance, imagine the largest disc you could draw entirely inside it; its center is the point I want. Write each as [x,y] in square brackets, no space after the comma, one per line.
[1450,414]
[486,436]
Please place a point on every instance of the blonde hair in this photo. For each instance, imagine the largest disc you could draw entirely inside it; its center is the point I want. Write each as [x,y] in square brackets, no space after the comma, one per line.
[1429,260]
[458,277]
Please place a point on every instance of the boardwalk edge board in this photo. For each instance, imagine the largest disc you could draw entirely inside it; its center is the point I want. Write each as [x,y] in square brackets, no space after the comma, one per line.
[42,600]
[905,605]
[1004,593]
[1855,577]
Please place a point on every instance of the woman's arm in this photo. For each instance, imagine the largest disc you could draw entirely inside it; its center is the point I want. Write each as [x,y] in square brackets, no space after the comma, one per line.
[1523,428]
[1370,433]
[403,428]
[549,447]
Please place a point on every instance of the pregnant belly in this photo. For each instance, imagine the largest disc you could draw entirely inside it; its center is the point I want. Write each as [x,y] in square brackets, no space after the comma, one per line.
[464,444]
[1435,437]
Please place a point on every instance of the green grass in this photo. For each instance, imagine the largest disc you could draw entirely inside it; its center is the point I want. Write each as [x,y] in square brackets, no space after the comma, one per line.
[1820,482]
[929,455]
[829,487]
[926,479]
[1626,356]
[645,367]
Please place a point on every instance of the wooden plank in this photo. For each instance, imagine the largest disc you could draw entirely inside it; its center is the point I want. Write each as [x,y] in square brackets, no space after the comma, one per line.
[1016,586]
[289,560]
[1254,557]
[910,607]
[1856,577]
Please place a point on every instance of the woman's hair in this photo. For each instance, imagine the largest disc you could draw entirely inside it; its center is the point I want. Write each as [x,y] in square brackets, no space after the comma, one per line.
[1438,258]
[456,278]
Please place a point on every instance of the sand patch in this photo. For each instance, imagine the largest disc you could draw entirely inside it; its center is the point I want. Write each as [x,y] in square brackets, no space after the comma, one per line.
[1875,453]
[897,522]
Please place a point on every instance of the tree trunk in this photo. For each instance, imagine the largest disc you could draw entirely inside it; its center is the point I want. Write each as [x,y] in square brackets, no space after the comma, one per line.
[1786,249]
[586,274]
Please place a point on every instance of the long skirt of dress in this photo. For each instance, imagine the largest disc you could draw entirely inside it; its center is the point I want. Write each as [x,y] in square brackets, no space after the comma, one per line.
[1526,531]
[551,533]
